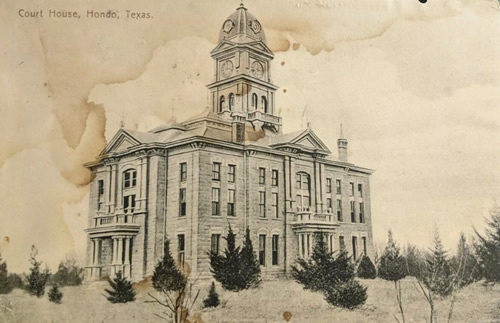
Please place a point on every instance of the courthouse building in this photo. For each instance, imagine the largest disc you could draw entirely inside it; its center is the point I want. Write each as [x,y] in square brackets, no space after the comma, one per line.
[230,166]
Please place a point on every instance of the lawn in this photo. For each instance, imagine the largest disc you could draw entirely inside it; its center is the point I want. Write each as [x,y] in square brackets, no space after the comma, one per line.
[267,303]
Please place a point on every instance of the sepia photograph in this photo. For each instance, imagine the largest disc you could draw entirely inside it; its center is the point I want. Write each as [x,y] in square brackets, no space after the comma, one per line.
[250,161]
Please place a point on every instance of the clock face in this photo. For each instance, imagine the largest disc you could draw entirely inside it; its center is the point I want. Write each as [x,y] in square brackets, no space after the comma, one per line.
[227,69]
[257,70]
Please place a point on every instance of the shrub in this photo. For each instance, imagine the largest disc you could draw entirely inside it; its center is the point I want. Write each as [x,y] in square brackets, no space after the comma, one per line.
[166,276]
[16,281]
[236,269]
[330,275]
[37,279]
[366,268]
[464,264]
[350,294]
[68,274]
[55,295]
[212,299]
[392,265]
[121,290]
[5,283]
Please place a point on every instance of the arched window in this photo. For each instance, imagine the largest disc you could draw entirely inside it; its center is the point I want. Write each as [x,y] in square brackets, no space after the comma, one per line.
[254,101]
[129,178]
[303,189]
[222,100]
[264,104]
[231,101]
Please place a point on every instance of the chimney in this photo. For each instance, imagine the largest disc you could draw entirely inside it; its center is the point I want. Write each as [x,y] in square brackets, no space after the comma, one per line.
[342,146]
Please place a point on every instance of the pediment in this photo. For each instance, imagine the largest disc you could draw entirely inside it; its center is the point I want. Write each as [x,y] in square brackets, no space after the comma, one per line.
[120,142]
[307,142]
[257,45]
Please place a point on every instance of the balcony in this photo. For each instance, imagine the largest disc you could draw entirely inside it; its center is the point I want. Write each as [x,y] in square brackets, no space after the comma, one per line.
[305,218]
[124,222]
[264,117]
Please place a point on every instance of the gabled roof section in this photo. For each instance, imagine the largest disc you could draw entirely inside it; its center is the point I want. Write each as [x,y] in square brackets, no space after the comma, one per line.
[120,142]
[306,141]
[257,45]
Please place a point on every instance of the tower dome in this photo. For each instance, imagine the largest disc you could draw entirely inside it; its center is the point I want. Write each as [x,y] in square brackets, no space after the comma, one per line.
[242,27]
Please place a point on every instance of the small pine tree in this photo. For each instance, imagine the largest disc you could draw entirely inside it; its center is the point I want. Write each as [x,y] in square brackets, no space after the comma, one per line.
[121,290]
[366,268]
[464,264]
[415,260]
[350,295]
[37,279]
[249,264]
[487,247]
[5,283]
[212,299]
[55,295]
[68,274]
[438,276]
[392,266]
[226,267]
[166,276]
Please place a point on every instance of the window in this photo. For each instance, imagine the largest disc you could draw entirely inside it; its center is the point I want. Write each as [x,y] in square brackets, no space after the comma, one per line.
[180,249]
[264,105]
[262,176]
[354,247]
[338,186]
[274,177]
[329,203]
[262,249]
[262,204]
[303,191]
[328,185]
[129,203]
[340,216]
[254,101]
[360,190]
[216,171]
[353,216]
[231,173]
[183,172]
[129,178]
[363,240]
[361,213]
[222,101]
[275,205]
[351,193]
[100,194]
[182,202]
[341,243]
[230,202]
[231,101]
[215,201]
[275,248]
[215,243]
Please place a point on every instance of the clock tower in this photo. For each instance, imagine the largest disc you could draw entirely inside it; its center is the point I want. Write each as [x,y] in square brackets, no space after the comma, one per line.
[243,91]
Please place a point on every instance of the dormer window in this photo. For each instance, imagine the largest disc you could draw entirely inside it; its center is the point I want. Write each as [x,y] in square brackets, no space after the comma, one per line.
[129,178]
[231,101]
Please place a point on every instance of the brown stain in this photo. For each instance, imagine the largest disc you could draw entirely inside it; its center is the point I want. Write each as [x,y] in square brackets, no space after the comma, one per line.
[296,46]
[6,239]
[287,316]
[282,63]
[195,318]
[144,285]
[284,90]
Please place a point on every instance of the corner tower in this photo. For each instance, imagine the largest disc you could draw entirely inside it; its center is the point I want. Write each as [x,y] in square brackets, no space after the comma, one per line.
[243,90]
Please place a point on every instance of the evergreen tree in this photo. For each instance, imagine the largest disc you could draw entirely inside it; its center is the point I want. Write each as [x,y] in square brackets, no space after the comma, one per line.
[121,290]
[415,261]
[464,264]
[37,279]
[330,275]
[212,299]
[249,264]
[392,266]
[166,276]
[488,247]
[55,295]
[366,268]
[438,276]
[68,274]
[5,283]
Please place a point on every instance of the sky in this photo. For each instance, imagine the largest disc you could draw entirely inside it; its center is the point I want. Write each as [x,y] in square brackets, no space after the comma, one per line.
[416,87]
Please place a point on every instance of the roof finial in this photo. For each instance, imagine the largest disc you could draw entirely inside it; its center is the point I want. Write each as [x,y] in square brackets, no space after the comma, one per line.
[341,132]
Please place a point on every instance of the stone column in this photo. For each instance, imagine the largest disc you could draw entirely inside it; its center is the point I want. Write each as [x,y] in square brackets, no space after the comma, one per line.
[301,241]
[127,258]
[119,258]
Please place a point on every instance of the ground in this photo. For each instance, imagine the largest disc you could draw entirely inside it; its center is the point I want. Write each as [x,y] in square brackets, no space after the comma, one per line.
[268,303]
